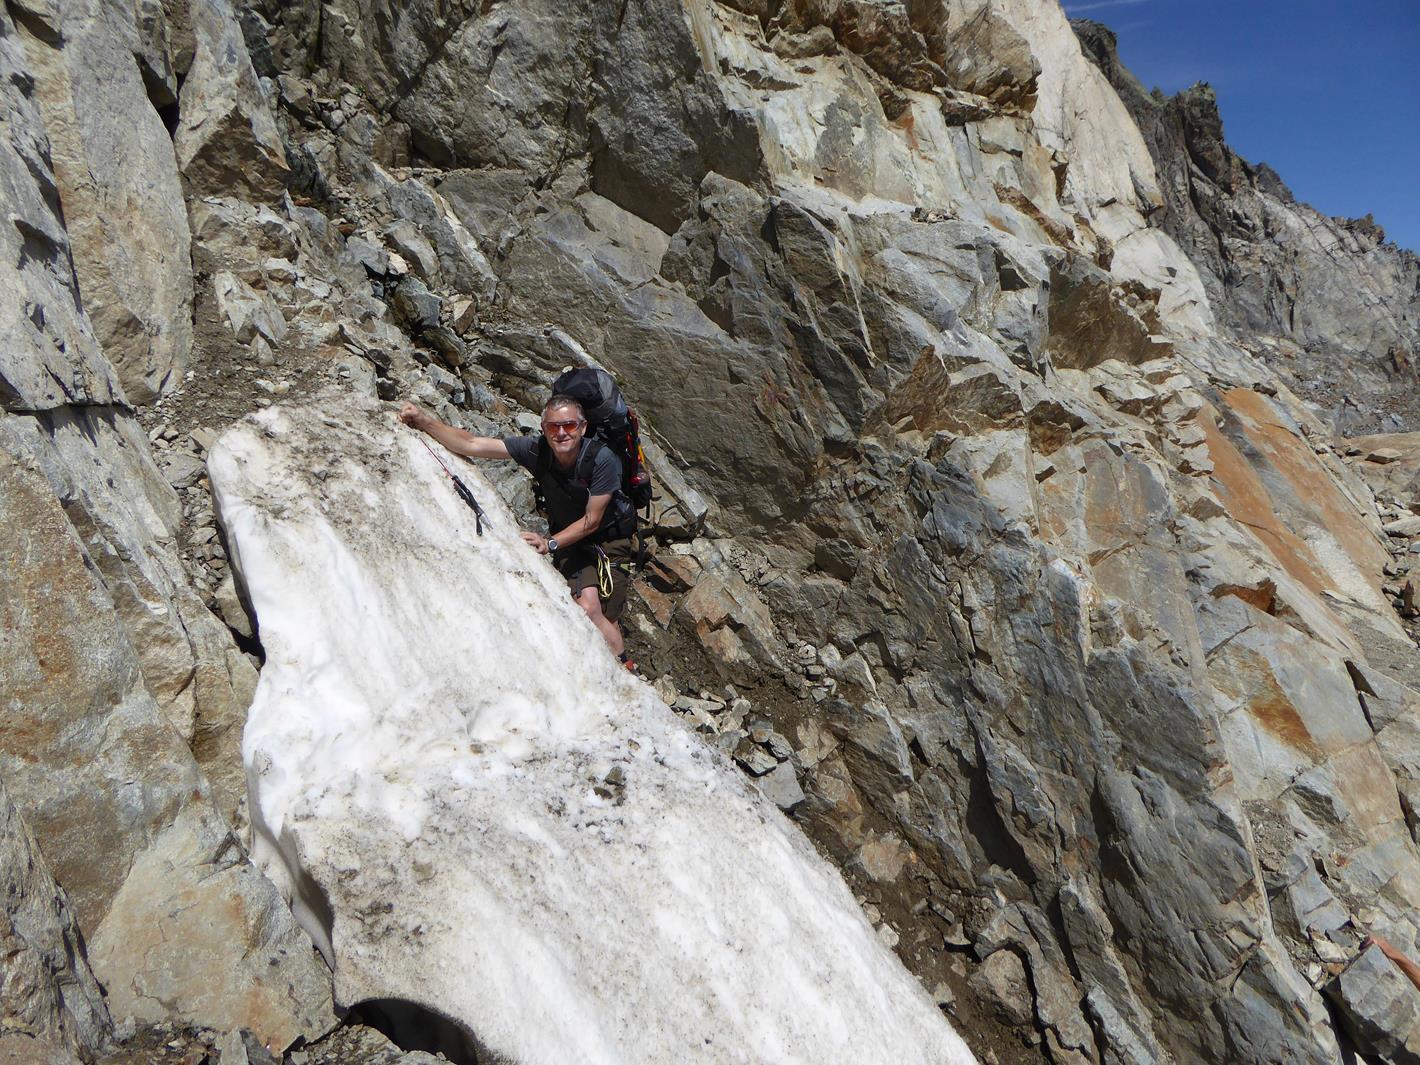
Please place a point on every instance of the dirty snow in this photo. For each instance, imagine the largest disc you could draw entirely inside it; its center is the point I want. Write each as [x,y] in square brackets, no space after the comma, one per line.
[426,757]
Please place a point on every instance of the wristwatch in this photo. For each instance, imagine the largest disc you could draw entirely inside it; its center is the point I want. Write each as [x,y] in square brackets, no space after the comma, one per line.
[551,544]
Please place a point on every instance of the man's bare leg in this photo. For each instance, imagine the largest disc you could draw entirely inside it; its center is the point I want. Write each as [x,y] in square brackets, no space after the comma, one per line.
[590,601]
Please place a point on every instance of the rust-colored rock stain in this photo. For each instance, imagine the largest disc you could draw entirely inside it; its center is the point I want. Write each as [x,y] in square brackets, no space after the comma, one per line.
[1313,486]
[1263,596]
[1275,715]
[1247,501]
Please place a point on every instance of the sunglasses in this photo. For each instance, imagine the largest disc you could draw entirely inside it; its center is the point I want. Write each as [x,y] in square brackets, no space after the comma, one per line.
[560,427]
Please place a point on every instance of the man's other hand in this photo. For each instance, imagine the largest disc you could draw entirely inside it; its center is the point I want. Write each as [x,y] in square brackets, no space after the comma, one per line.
[536,542]
[411,415]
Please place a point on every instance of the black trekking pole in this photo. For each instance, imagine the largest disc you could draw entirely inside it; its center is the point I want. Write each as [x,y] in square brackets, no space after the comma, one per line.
[459,487]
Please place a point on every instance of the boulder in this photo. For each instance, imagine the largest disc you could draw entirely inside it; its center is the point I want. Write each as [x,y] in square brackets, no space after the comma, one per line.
[987,56]
[409,243]
[218,949]
[1002,981]
[226,140]
[1403,528]
[1380,1006]
[247,313]
[781,787]
[732,622]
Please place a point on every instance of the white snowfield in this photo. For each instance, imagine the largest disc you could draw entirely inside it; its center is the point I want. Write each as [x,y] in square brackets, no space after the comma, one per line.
[433,721]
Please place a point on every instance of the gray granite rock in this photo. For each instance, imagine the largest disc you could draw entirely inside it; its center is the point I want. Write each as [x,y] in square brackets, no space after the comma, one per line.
[127,515]
[49,355]
[226,141]
[781,786]
[49,993]
[1091,603]
[1001,979]
[125,816]
[460,265]
[1380,1006]
[119,189]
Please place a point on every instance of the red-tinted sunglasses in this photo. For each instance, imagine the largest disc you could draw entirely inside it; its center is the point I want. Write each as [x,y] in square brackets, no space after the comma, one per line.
[564,427]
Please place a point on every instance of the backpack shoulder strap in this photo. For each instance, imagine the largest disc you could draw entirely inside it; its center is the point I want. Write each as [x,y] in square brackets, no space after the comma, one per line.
[587,459]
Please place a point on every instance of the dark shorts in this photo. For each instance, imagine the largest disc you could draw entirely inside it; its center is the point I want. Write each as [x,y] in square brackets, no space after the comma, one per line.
[579,566]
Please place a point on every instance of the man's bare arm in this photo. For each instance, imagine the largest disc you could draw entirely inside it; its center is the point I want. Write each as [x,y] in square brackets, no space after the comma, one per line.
[580,529]
[459,441]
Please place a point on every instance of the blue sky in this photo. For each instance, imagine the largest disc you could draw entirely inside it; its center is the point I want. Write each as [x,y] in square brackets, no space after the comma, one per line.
[1326,92]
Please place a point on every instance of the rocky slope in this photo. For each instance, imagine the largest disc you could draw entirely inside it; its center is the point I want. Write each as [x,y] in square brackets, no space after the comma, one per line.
[1326,302]
[997,536]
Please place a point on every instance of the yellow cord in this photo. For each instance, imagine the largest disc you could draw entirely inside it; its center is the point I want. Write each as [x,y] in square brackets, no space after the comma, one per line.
[604,582]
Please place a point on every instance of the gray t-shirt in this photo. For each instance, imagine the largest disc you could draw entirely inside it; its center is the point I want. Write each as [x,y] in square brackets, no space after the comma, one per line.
[600,476]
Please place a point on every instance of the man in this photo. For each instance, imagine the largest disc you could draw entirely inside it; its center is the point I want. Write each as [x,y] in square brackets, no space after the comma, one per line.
[590,522]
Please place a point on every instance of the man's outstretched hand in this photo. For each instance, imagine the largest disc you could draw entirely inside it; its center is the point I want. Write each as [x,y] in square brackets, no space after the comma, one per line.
[536,542]
[459,441]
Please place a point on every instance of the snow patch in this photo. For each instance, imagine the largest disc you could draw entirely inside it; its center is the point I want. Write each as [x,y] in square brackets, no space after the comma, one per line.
[427,759]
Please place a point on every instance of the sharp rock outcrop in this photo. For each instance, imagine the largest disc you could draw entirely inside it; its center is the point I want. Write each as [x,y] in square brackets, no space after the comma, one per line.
[116,676]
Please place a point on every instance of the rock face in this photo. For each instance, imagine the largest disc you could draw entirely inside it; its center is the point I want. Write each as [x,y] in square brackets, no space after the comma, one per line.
[118,186]
[1326,302]
[49,355]
[179,925]
[1046,555]
[610,862]
[226,140]
[114,669]
[1004,538]
[1381,1005]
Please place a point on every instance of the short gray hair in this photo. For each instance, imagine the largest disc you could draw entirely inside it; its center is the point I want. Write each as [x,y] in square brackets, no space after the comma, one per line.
[560,400]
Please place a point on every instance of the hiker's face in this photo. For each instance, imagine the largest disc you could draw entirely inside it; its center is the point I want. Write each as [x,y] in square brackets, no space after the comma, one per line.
[564,429]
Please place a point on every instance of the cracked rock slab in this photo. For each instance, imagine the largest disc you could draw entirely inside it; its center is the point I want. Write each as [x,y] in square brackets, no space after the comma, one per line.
[1380,1006]
[48,995]
[227,141]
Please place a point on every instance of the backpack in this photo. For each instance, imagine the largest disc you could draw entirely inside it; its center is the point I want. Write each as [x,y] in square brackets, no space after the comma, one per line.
[612,422]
